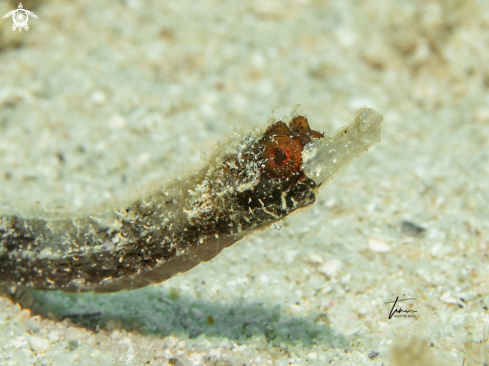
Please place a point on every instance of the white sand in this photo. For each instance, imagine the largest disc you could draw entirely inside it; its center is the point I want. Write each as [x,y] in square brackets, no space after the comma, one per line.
[98,98]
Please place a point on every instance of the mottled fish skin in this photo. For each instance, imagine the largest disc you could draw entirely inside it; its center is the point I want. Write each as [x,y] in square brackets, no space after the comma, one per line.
[243,188]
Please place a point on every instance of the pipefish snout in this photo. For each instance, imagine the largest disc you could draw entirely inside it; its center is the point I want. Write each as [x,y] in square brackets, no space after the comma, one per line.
[243,188]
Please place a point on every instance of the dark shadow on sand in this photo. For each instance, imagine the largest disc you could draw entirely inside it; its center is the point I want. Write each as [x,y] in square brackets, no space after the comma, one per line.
[154,311]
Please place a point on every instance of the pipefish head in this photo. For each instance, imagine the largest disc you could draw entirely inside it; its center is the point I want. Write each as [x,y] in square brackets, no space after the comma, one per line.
[283,186]
[294,161]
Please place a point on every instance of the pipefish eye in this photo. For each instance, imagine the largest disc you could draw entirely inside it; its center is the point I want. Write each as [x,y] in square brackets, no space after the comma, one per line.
[283,156]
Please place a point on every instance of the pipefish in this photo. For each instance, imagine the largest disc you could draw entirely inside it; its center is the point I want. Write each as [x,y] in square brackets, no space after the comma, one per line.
[242,188]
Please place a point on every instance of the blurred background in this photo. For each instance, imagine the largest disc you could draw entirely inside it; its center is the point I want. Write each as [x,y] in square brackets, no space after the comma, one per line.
[99,98]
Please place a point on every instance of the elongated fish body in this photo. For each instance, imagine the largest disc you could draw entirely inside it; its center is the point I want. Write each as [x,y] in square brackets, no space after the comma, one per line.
[243,188]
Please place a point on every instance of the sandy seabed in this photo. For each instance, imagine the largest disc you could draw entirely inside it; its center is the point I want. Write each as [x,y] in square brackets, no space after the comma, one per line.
[99,98]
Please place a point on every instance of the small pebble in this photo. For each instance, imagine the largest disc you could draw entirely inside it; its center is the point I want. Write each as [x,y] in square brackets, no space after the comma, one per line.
[373,354]
[117,122]
[73,334]
[72,345]
[315,258]
[331,267]
[378,246]
[38,345]
[98,97]
[408,228]
[53,336]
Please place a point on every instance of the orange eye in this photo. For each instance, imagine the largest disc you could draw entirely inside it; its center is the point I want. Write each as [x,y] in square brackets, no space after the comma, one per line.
[283,156]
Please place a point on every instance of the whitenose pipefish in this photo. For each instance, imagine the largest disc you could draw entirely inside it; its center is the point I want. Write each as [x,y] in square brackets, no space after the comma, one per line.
[243,188]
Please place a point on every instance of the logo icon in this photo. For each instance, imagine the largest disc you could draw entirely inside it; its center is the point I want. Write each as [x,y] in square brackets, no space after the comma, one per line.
[20,17]
[399,311]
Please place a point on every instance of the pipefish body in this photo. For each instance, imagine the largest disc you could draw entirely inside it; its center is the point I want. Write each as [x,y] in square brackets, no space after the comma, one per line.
[242,188]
